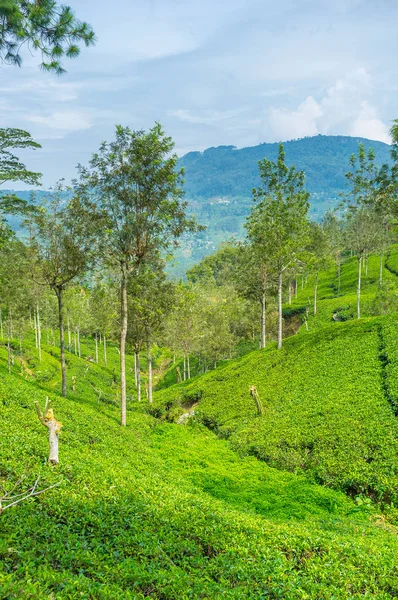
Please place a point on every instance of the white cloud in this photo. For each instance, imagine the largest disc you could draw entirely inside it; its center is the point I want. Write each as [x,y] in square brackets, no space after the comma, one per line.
[343,109]
[66,121]
[205,117]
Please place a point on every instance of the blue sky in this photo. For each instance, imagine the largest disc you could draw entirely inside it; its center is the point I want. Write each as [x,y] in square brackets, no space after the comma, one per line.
[212,72]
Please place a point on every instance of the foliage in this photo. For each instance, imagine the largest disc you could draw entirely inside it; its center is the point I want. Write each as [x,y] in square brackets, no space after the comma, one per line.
[11,168]
[44,26]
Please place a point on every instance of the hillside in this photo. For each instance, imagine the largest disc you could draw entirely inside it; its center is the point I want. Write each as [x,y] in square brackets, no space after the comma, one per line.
[229,505]
[158,510]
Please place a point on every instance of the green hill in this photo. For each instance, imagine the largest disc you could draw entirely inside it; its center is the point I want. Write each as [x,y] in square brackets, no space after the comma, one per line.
[290,504]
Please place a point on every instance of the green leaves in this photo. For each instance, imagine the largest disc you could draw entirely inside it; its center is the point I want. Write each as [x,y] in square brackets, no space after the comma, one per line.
[11,168]
[46,27]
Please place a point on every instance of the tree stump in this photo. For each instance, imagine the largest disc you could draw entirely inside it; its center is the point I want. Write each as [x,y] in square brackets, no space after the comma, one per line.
[48,420]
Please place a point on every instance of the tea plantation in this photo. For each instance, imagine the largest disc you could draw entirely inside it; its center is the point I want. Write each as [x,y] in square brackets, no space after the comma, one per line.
[296,503]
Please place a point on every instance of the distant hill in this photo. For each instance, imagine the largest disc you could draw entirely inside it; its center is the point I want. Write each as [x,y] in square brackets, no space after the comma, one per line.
[227,171]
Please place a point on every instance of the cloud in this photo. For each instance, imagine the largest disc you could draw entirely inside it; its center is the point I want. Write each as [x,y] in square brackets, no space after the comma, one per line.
[206,117]
[343,109]
[66,121]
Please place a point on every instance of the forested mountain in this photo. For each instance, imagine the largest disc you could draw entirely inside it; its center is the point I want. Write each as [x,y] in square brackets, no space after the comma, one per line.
[226,171]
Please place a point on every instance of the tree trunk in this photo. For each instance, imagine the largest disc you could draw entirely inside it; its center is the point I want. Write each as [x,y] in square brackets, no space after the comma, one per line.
[280,291]
[35,328]
[135,367]
[69,336]
[315,292]
[79,350]
[150,387]
[38,324]
[123,334]
[96,348]
[289,293]
[366,265]
[138,378]
[381,269]
[185,368]
[105,359]
[188,367]
[295,287]
[9,356]
[59,291]
[1,325]
[359,287]
[263,306]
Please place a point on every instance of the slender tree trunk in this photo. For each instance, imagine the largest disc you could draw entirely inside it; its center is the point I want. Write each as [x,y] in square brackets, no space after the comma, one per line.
[59,292]
[135,367]
[69,336]
[315,292]
[280,292]
[123,334]
[263,307]
[359,288]
[9,355]
[289,293]
[185,368]
[96,348]
[302,283]
[381,269]
[35,328]
[296,287]
[38,331]
[150,383]
[188,367]
[75,341]
[366,265]
[79,350]
[1,324]
[138,377]
[105,358]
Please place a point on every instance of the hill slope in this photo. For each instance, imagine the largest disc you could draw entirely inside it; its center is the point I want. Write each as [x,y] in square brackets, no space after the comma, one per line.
[158,510]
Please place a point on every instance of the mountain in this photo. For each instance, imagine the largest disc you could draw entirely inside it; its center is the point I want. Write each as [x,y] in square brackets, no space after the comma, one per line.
[226,171]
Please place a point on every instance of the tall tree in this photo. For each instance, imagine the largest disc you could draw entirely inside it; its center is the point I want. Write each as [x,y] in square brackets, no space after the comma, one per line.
[61,249]
[134,186]
[278,223]
[44,26]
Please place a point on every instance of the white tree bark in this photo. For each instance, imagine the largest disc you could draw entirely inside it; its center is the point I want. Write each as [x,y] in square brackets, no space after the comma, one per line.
[359,288]
[280,322]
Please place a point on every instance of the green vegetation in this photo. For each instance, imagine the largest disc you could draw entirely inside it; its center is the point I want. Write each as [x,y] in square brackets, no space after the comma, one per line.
[164,511]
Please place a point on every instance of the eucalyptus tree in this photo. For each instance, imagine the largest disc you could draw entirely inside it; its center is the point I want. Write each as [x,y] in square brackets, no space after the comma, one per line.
[278,223]
[44,26]
[319,256]
[61,249]
[133,186]
[333,226]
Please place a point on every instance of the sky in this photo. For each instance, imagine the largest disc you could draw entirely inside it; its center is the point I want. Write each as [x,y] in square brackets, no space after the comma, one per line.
[213,72]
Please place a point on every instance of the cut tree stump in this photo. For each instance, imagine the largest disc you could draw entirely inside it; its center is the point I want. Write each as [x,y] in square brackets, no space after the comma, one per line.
[48,420]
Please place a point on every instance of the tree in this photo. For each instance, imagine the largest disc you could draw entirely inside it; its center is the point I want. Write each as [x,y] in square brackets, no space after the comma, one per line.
[11,168]
[278,222]
[334,229]
[45,27]
[132,184]
[61,249]
[320,257]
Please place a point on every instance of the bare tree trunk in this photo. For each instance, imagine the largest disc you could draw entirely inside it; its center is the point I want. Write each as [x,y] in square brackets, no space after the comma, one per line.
[135,367]
[75,341]
[123,334]
[295,287]
[38,331]
[79,350]
[9,355]
[315,292]
[359,287]
[150,386]
[59,292]
[188,367]
[35,328]
[289,293]
[53,426]
[263,306]
[138,378]
[185,368]
[96,348]
[381,269]
[69,336]
[105,358]
[280,291]
[366,265]
[1,324]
